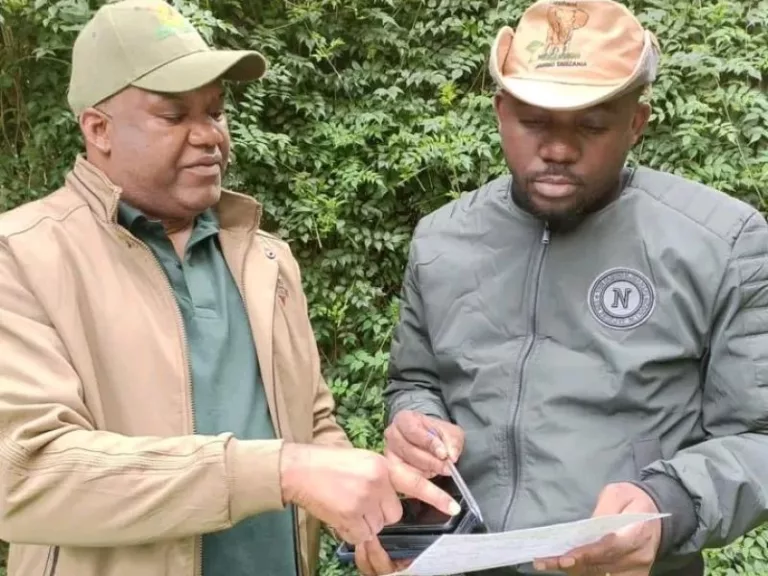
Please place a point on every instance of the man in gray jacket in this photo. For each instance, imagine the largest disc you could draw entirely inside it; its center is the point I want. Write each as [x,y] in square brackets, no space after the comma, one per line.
[587,338]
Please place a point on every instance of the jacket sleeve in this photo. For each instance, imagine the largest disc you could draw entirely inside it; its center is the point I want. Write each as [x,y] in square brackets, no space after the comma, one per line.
[326,430]
[62,482]
[717,490]
[413,380]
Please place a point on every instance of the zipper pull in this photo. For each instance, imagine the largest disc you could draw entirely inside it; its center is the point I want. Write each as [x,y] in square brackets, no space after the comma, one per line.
[545,234]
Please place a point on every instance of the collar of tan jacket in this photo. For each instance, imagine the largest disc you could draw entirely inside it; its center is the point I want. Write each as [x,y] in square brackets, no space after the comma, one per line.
[236,212]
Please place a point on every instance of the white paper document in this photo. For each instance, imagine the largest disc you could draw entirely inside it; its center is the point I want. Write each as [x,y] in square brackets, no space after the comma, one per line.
[461,553]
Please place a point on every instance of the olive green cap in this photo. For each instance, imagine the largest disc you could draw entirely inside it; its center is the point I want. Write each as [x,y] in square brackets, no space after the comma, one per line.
[150,45]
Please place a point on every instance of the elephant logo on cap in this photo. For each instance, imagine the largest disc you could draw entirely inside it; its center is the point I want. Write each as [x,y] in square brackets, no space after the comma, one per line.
[562,21]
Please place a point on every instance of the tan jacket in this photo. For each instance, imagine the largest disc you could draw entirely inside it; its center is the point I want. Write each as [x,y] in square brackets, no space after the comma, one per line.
[100,474]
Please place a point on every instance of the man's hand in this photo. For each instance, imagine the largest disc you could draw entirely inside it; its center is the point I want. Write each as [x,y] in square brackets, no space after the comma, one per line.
[355,492]
[629,552]
[373,560]
[423,442]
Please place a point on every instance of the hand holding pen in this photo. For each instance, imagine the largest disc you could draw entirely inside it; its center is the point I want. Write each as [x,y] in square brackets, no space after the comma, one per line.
[428,444]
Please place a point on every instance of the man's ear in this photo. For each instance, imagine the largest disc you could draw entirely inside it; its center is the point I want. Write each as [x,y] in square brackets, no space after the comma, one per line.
[498,103]
[95,126]
[640,121]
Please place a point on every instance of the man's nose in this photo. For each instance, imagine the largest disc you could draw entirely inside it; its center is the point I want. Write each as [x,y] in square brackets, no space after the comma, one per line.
[560,148]
[206,134]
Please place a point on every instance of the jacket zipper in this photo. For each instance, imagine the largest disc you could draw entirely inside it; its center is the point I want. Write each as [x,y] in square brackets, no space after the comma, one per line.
[54,561]
[524,361]
[51,562]
[180,325]
[248,314]
[279,427]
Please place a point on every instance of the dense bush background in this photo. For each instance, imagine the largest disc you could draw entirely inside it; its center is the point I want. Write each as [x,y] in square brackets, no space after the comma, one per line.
[377,111]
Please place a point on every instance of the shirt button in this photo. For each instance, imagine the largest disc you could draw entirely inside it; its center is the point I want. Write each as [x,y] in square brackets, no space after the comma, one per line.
[270,254]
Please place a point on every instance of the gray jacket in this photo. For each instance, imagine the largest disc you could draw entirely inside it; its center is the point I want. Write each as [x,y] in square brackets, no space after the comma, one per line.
[634,348]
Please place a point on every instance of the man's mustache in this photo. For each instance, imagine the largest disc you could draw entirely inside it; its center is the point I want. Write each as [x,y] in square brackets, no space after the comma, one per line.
[554,171]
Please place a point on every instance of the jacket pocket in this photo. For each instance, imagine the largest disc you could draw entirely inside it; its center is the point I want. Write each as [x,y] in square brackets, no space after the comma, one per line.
[645,452]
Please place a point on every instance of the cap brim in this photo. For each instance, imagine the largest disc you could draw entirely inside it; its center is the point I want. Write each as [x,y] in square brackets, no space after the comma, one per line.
[555,96]
[201,68]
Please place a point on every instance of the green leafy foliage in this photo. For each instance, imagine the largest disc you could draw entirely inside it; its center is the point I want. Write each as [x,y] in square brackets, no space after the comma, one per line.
[746,556]
[376,112]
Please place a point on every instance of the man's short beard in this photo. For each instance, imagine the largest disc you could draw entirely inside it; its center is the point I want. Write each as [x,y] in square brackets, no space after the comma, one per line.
[566,220]
[562,220]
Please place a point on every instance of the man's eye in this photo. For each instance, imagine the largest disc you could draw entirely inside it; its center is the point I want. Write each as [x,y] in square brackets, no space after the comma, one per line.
[593,128]
[173,118]
[218,115]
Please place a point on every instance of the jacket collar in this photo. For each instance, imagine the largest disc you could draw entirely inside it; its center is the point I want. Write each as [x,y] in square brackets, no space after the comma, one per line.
[235,212]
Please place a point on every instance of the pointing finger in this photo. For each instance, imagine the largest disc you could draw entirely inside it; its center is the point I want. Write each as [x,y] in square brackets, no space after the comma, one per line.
[408,481]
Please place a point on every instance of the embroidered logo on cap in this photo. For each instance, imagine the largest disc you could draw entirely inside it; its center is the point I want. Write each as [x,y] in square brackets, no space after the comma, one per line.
[172,22]
[562,20]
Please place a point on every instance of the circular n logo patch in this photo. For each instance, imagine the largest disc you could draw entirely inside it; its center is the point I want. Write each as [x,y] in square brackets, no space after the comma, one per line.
[621,298]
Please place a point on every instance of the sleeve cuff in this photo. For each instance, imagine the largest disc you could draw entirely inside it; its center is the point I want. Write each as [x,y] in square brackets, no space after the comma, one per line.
[253,467]
[418,403]
[671,498]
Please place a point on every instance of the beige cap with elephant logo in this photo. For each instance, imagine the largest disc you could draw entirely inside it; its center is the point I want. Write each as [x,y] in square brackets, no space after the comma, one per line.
[569,55]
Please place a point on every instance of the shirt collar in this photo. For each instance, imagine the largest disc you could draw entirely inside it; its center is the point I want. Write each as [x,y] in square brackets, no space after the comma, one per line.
[133,220]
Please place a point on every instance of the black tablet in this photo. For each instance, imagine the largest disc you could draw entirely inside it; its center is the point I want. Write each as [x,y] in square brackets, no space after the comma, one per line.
[422,524]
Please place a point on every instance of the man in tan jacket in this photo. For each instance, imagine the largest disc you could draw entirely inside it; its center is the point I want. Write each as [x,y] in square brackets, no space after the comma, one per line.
[162,409]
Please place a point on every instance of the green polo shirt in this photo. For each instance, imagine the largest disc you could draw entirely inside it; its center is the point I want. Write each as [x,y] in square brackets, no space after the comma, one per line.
[228,392]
